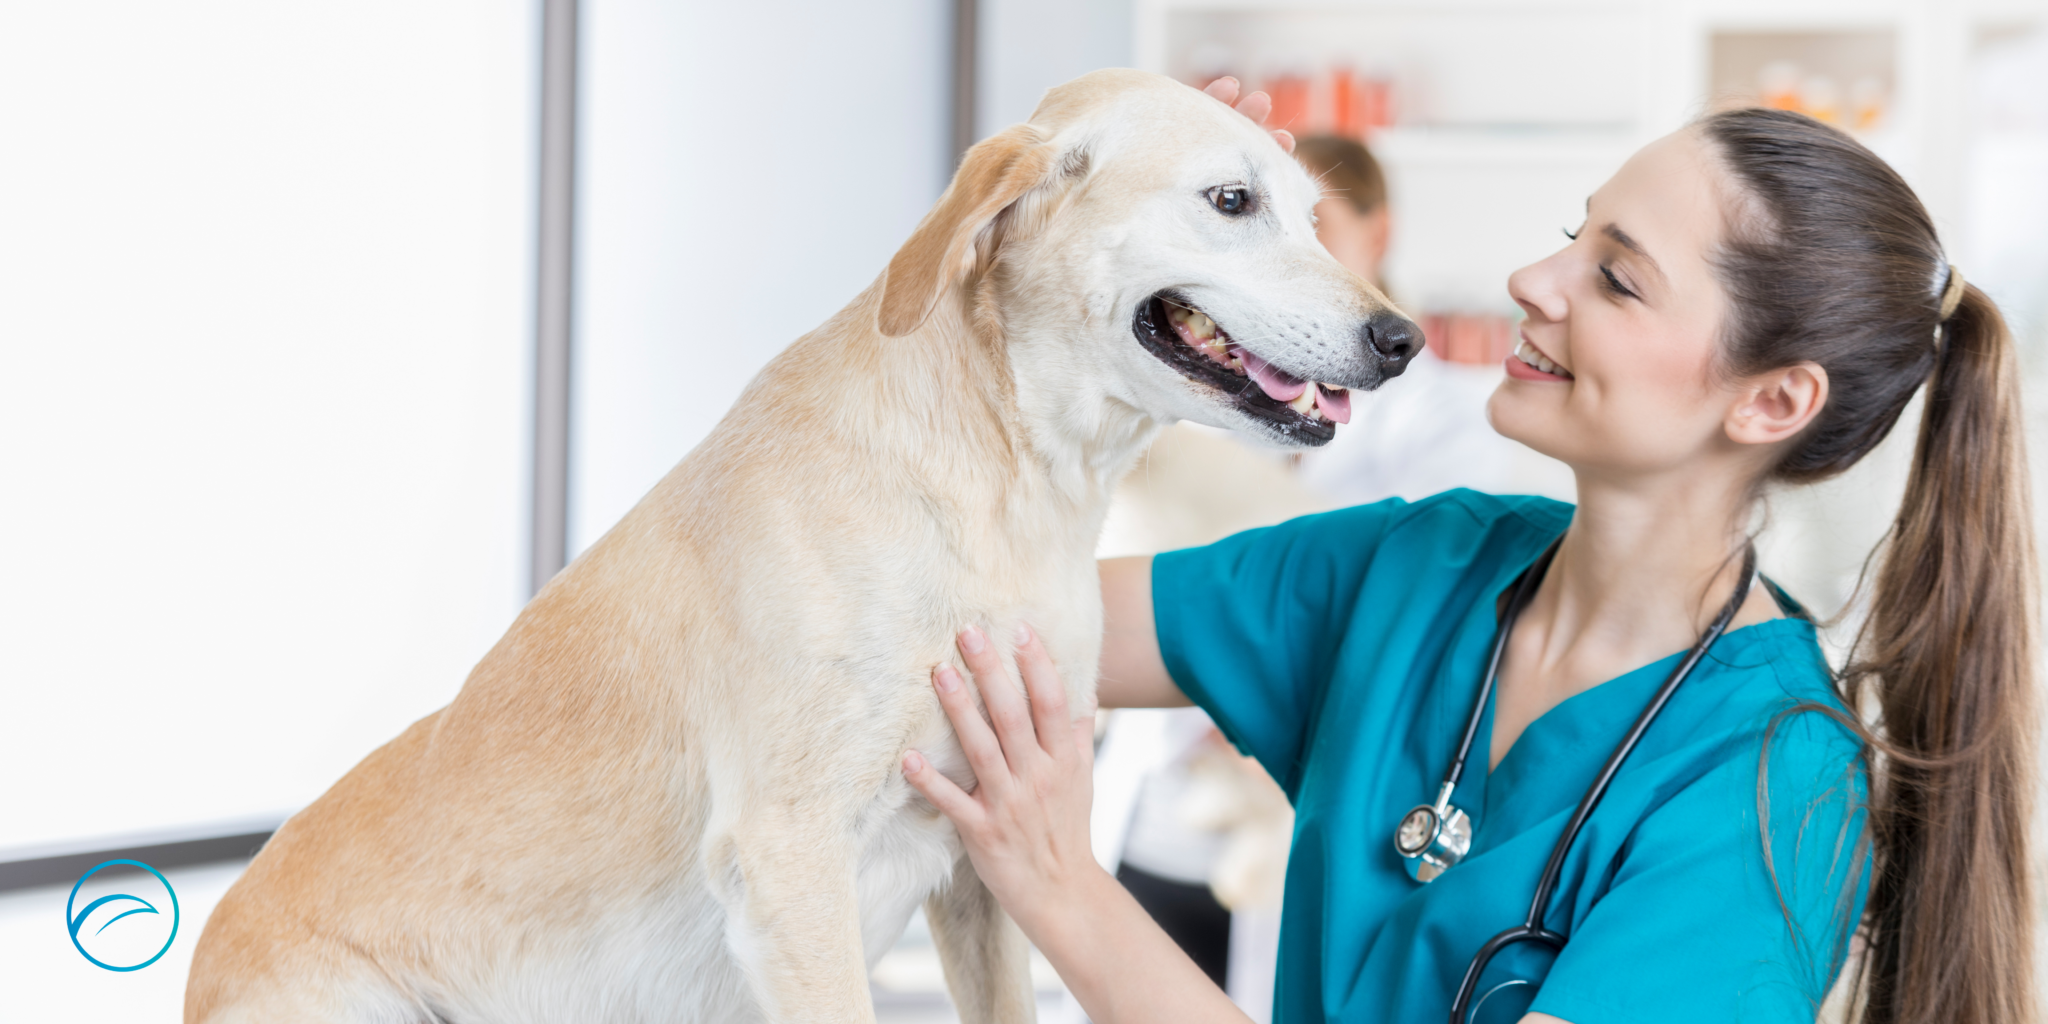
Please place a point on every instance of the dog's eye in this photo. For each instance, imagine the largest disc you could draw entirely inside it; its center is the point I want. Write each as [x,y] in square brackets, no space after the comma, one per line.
[1231,199]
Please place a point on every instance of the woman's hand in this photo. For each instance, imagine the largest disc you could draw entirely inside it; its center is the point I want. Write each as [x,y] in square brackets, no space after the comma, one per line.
[1026,829]
[1255,106]
[1026,823]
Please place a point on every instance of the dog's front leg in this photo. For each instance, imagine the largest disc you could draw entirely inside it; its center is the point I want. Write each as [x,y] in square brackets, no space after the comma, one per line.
[793,921]
[987,961]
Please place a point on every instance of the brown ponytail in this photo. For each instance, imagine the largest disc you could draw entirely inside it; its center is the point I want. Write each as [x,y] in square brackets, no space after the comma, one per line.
[1947,658]
[1834,260]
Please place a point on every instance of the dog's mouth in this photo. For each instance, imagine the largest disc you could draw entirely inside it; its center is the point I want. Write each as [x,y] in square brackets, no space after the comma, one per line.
[1185,338]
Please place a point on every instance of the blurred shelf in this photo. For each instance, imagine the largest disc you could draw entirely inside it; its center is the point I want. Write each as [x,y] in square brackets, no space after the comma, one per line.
[1446,8]
[1503,146]
[1478,67]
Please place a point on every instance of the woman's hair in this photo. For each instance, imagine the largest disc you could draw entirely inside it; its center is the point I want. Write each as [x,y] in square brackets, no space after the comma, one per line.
[1833,260]
[1347,169]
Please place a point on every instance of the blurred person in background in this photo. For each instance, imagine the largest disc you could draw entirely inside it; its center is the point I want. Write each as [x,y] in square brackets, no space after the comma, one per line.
[1430,433]
[1353,220]
[1751,302]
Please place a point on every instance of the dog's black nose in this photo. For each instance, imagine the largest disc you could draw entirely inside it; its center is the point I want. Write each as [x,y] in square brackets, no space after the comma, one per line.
[1395,338]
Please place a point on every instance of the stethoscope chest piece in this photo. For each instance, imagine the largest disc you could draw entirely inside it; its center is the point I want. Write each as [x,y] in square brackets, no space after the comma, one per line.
[1433,838]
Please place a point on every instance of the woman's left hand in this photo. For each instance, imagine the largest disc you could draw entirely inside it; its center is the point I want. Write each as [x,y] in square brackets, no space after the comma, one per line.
[1026,823]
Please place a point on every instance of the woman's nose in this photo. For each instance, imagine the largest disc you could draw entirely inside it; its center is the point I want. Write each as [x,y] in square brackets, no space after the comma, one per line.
[1536,289]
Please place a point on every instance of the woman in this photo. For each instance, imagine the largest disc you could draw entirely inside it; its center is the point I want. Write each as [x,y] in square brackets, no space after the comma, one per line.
[1751,300]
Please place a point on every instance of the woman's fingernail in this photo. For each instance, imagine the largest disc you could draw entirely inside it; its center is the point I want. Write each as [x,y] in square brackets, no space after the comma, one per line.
[946,679]
[972,641]
[912,763]
[1023,634]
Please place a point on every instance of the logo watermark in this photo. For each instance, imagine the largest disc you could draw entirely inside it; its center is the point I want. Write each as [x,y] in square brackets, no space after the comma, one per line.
[135,939]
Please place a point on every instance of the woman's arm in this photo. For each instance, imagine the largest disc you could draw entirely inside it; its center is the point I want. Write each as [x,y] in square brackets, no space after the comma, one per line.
[1026,828]
[1133,673]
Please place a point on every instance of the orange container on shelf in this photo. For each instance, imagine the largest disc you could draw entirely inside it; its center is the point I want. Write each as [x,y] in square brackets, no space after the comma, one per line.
[1359,103]
[1866,104]
[1778,85]
[1375,103]
[1346,118]
[1290,102]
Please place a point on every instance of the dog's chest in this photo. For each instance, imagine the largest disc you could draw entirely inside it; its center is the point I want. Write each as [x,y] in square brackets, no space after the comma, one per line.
[906,855]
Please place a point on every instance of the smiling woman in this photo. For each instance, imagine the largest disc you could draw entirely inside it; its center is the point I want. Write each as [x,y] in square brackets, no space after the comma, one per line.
[1752,300]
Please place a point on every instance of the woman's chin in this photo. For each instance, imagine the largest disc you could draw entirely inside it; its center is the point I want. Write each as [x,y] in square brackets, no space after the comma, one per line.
[1514,417]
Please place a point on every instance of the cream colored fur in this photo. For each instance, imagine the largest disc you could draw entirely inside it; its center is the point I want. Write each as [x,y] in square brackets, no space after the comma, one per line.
[671,791]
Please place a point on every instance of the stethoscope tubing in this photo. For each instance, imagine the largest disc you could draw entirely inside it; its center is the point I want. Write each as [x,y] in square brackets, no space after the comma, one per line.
[1525,589]
[1531,929]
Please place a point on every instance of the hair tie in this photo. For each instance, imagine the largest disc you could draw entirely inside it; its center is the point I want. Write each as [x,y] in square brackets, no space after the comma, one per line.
[1952,295]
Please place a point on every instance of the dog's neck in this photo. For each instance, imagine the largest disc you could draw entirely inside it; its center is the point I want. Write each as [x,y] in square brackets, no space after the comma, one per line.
[1053,432]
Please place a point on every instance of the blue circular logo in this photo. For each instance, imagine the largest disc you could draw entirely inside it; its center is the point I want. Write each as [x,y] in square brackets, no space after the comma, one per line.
[127,905]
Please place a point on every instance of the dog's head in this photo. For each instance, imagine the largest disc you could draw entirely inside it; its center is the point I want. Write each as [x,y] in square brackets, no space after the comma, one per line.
[1155,248]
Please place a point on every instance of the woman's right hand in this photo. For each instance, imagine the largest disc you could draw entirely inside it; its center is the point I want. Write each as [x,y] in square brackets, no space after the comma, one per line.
[1255,106]
[1025,825]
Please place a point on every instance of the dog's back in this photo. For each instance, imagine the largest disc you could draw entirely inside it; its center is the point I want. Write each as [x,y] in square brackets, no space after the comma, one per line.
[672,791]
[720,681]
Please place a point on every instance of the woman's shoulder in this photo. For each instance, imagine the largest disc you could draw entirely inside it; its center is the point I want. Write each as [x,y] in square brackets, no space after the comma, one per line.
[1783,662]
[1441,538]
[1454,515]
[1482,509]
[1784,700]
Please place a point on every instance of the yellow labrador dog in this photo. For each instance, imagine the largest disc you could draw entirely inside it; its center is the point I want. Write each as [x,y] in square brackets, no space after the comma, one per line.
[672,791]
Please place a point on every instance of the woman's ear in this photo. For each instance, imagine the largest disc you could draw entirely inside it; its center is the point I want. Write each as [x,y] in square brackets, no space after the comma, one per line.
[1778,405]
[997,172]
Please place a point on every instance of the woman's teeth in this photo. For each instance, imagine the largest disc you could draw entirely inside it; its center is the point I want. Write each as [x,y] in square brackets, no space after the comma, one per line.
[1200,333]
[1528,354]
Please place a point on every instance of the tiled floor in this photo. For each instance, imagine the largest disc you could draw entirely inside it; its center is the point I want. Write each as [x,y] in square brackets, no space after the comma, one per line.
[43,980]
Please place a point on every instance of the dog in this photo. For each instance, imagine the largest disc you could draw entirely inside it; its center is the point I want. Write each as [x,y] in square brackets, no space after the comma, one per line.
[672,792]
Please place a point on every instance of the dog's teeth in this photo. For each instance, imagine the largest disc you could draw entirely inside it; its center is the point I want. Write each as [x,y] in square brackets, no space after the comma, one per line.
[1305,402]
[1201,326]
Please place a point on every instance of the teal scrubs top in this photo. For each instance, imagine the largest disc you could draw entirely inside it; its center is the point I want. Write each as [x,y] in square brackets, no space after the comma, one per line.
[1717,880]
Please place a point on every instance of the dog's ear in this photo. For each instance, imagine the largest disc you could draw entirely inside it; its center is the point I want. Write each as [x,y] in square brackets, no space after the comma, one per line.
[997,172]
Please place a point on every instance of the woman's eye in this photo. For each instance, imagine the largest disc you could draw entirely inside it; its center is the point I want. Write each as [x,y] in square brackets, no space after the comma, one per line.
[1614,284]
[1573,235]
[1232,201]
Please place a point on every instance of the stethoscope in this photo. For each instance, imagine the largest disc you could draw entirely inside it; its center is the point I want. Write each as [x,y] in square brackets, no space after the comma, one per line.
[1434,837]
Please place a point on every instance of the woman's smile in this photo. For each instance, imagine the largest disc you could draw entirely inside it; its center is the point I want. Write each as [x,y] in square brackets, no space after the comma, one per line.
[1529,363]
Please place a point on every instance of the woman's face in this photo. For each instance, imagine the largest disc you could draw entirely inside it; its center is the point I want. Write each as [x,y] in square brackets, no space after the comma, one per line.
[1358,240]
[1613,374]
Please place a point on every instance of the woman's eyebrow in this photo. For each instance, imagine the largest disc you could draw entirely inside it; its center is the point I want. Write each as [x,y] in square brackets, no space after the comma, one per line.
[1622,239]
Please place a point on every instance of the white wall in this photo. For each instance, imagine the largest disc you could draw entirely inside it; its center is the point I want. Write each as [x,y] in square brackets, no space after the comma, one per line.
[747,169]
[1029,46]
[263,328]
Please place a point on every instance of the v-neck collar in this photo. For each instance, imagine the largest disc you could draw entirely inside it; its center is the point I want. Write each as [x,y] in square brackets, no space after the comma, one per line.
[1578,733]
[1587,724]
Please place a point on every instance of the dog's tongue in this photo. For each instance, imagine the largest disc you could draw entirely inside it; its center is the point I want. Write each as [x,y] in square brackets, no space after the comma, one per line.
[1336,407]
[1277,383]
